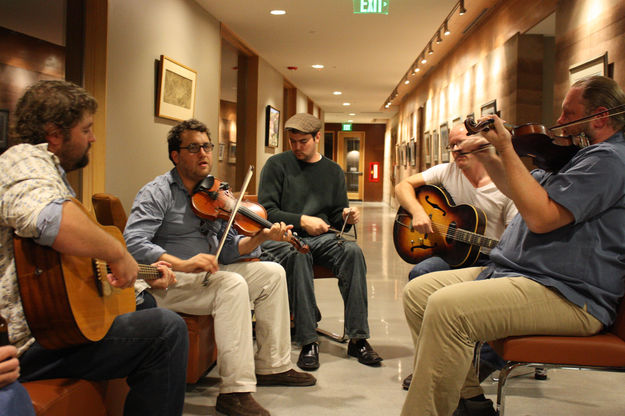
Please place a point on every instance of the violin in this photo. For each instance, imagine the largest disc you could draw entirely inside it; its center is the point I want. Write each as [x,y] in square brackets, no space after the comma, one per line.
[548,151]
[212,199]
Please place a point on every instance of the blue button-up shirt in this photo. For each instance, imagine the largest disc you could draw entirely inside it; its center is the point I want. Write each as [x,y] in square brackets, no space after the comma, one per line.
[161,221]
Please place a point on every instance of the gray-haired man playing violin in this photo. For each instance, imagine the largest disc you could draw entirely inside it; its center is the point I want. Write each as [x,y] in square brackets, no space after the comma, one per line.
[162,226]
[558,269]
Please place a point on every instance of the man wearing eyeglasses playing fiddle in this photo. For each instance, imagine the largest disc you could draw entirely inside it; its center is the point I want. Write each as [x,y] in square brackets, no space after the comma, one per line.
[557,270]
[304,188]
[162,225]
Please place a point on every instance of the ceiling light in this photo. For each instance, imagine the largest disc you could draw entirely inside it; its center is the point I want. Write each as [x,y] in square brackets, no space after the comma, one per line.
[317,66]
[407,82]
[446,31]
[351,114]
[346,104]
[430,51]
[438,36]
[462,9]
[278,12]
[350,121]
[423,59]
[337,93]
[417,69]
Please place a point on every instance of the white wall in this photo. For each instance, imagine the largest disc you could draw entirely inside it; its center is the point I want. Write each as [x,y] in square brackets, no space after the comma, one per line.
[139,32]
[270,92]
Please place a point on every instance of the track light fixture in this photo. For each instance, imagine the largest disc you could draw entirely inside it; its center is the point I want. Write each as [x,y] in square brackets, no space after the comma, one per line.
[438,36]
[430,50]
[446,31]
[462,10]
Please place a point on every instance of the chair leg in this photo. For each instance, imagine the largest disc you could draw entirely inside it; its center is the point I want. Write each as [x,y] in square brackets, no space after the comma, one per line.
[503,376]
[333,335]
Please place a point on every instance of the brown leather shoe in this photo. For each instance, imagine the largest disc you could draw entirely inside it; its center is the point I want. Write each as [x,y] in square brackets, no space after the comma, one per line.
[239,404]
[288,378]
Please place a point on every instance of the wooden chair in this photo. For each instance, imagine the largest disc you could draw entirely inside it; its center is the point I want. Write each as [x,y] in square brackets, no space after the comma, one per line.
[604,351]
[202,348]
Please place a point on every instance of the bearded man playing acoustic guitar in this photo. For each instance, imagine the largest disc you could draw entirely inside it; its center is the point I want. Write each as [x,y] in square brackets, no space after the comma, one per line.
[54,123]
[465,179]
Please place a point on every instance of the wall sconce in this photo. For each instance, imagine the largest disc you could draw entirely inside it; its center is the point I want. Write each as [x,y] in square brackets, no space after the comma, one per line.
[462,10]
[438,36]
[423,59]
[446,31]
[430,51]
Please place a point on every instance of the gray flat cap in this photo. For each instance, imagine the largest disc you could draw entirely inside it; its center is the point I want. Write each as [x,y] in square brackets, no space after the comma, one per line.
[304,122]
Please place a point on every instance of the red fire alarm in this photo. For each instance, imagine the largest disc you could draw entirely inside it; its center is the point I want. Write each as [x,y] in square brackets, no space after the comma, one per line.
[374,172]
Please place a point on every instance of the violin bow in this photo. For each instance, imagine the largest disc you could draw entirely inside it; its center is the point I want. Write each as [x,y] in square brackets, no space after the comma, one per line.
[586,118]
[233,213]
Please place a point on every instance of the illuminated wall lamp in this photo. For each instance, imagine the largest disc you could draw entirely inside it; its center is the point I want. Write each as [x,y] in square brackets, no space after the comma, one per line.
[462,10]
[430,50]
[438,36]
[446,31]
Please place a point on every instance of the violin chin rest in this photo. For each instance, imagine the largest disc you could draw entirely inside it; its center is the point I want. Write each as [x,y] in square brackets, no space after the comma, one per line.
[205,184]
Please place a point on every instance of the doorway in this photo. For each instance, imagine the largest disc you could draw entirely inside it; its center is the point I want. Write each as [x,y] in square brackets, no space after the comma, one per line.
[351,157]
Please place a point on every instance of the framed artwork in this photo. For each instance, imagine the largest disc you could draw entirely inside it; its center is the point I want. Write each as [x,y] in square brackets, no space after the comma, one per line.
[397,151]
[232,152]
[222,148]
[595,66]
[444,129]
[176,90]
[488,108]
[402,153]
[413,152]
[435,147]
[427,149]
[4,129]
[456,121]
[272,126]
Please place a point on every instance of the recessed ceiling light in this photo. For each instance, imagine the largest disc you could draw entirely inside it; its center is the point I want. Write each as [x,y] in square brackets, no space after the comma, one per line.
[350,121]
[278,12]
[337,93]
[351,114]
[317,66]
[407,82]
[346,104]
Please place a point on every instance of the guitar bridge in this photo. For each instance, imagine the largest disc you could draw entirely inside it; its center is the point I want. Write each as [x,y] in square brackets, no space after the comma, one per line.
[100,271]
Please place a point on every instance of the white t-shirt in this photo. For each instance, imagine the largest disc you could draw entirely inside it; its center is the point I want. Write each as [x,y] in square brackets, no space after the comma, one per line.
[499,209]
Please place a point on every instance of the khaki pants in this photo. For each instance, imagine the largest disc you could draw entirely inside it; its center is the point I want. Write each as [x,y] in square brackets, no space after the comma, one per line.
[449,312]
[229,296]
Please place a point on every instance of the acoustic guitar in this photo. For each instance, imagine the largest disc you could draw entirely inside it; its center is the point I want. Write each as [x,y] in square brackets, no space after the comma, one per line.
[458,230]
[68,300]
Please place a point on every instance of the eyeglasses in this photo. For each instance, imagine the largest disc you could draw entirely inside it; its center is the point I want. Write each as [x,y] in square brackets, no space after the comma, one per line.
[452,146]
[195,147]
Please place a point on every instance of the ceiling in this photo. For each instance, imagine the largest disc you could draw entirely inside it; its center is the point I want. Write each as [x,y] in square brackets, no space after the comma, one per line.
[365,56]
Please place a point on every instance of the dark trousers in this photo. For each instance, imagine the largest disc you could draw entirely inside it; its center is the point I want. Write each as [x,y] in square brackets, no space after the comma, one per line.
[346,261]
[149,347]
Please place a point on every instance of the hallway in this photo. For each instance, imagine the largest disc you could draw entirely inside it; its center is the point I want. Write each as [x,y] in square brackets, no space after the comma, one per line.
[345,387]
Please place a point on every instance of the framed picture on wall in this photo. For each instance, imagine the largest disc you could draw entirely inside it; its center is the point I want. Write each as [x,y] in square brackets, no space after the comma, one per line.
[456,121]
[427,148]
[4,129]
[488,108]
[272,126]
[595,66]
[221,151]
[404,151]
[232,152]
[413,152]
[435,147]
[444,142]
[176,90]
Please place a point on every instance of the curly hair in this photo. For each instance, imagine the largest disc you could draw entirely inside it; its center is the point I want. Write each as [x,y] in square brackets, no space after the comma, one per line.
[603,92]
[60,103]
[173,137]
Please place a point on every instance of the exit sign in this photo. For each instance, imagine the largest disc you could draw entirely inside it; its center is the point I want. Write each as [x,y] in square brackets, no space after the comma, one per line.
[347,126]
[371,6]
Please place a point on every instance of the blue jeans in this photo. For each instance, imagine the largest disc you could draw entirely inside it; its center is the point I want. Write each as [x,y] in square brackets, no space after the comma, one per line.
[346,261]
[149,347]
[15,401]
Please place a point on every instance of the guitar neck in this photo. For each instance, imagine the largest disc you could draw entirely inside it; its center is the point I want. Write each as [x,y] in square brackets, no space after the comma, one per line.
[467,237]
[145,272]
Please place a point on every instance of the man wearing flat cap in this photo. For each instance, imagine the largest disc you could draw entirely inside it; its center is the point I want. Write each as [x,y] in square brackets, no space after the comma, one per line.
[306,189]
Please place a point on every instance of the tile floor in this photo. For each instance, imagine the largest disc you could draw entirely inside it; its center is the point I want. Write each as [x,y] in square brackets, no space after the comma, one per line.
[345,387]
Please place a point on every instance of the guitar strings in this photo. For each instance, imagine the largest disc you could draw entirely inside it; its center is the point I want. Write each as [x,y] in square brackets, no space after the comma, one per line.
[468,236]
